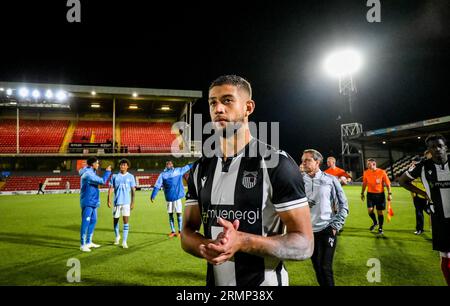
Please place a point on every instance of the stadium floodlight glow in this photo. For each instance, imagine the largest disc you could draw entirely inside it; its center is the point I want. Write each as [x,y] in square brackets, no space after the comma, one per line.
[165,108]
[36,94]
[2,89]
[135,94]
[418,137]
[133,107]
[93,93]
[9,92]
[24,92]
[384,142]
[344,62]
[49,94]
[61,95]
[95,105]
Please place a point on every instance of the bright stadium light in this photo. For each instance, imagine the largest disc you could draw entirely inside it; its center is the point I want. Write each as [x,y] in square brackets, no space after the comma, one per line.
[135,94]
[36,94]
[341,63]
[9,92]
[95,105]
[133,107]
[24,92]
[93,93]
[165,108]
[2,89]
[49,94]
[61,95]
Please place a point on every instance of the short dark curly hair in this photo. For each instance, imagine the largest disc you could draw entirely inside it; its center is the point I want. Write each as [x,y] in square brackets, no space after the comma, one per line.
[434,137]
[234,80]
[91,160]
[124,161]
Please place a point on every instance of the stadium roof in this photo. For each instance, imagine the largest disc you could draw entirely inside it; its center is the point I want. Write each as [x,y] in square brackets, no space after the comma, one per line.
[402,135]
[85,91]
[79,98]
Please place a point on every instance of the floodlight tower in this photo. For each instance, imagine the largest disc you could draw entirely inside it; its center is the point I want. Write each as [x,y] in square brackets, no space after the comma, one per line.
[344,64]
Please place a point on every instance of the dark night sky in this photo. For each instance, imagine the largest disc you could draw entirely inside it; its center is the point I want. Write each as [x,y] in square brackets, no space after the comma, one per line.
[278,46]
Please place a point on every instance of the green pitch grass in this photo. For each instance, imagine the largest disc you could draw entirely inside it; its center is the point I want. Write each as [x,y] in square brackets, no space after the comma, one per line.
[39,234]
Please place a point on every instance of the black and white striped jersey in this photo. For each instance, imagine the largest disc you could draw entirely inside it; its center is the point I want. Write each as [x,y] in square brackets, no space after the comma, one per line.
[253,186]
[436,180]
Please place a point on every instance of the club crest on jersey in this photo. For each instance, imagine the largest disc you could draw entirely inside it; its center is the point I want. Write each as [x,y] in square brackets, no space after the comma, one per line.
[249,179]
[331,241]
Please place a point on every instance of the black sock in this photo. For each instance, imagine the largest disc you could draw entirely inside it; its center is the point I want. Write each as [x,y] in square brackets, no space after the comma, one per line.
[372,216]
[380,221]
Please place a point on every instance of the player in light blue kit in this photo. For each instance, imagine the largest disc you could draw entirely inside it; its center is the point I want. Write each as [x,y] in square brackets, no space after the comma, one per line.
[124,186]
[172,181]
[90,201]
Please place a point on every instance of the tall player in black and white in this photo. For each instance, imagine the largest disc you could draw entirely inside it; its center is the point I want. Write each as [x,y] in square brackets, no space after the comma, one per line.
[249,197]
[435,176]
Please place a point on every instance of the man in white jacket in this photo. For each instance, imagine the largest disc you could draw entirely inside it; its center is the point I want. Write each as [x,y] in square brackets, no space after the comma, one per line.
[323,191]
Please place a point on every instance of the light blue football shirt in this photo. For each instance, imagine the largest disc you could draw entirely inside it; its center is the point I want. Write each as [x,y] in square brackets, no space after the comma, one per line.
[122,184]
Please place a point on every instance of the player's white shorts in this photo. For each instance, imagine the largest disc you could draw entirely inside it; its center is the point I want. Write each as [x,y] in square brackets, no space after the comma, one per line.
[175,206]
[121,209]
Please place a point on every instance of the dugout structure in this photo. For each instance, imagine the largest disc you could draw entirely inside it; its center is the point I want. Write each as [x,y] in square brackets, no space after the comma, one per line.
[388,145]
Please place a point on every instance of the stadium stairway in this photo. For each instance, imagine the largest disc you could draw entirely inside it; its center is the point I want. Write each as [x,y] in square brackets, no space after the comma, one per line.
[400,165]
[118,134]
[67,137]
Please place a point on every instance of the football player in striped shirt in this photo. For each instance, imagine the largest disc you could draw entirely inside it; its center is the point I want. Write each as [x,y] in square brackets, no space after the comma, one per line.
[435,176]
[249,196]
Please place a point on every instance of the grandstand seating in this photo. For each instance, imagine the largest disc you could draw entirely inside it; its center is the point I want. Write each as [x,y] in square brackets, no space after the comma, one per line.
[58,182]
[147,137]
[400,166]
[35,136]
[46,136]
[102,131]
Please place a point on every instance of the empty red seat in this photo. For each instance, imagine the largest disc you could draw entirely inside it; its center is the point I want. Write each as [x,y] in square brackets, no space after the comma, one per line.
[147,137]
[102,131]
[35,136]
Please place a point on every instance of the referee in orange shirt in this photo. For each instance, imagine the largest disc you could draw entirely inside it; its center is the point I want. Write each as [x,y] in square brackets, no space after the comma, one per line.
[342,176]
[376,179]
